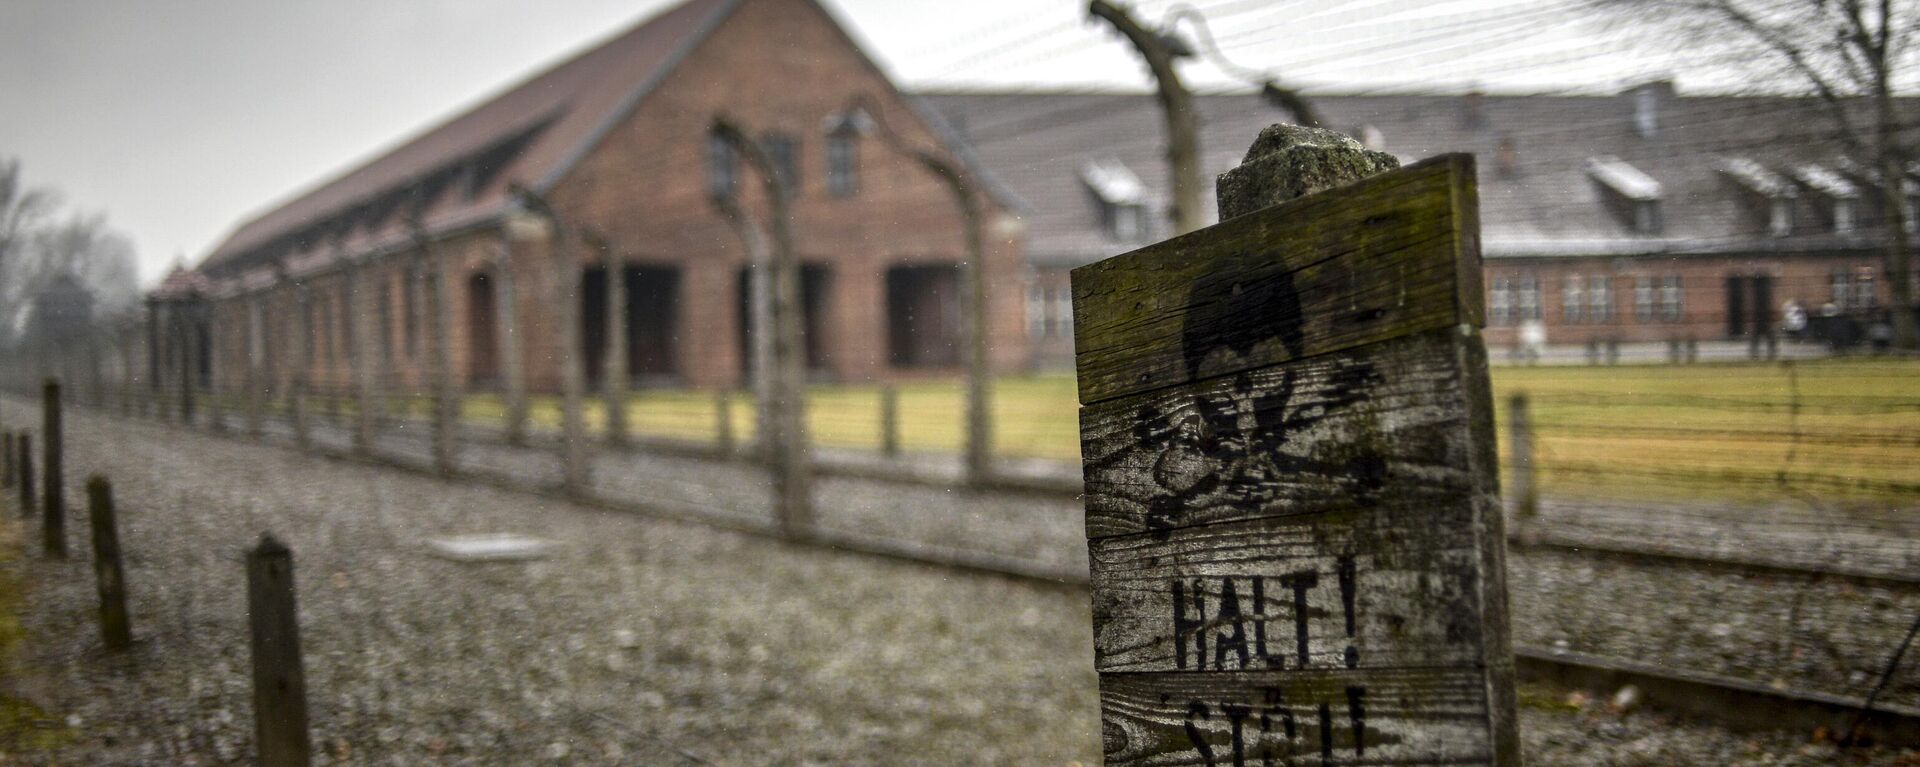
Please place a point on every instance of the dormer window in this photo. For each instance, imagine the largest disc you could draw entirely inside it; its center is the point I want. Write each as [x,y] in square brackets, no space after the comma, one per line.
[1120,196]
[1632,196]
[1837,198]
[1772,194]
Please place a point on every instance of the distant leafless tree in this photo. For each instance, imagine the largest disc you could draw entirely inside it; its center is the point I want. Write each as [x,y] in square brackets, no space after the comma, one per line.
[1852,54]
[37,246]
[21,210]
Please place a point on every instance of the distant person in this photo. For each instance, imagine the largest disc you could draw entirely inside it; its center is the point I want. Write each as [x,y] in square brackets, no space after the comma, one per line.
[1880,332]
[1533,340]
[1793,319]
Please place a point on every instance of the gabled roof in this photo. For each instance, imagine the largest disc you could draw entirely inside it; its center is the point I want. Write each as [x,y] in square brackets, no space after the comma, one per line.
[1536,195]
[553,118]
[182,283]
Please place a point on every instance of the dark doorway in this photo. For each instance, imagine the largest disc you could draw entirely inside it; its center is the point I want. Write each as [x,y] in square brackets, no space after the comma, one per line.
[1736,306]
[1749,305]
[483,349]
[204,340]
[815,287]
[923,315]
[1762,310]
[593,322]
[653,306]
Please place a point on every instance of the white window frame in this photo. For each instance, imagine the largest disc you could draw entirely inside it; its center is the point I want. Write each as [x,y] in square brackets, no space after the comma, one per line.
[1573,301]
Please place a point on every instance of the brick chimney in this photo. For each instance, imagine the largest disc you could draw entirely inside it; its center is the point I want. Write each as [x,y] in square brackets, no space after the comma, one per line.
[1647,103]
[1473,109]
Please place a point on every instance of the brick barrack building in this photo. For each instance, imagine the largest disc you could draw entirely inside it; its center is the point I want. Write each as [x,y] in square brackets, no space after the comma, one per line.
[1645,216]
[618,141]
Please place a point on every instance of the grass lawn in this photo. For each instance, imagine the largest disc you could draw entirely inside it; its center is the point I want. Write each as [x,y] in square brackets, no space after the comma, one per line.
[1832,431]
[1709,431]
[24,728]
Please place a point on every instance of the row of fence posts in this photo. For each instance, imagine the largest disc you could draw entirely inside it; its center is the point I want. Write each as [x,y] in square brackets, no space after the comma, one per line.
[181,355]
[279,685]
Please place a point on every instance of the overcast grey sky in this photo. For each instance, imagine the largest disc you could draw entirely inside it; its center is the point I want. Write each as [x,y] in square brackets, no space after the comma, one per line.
[179,119]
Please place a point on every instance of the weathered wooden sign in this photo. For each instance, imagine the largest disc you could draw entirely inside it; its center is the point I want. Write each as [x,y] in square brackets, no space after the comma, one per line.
[1292,508]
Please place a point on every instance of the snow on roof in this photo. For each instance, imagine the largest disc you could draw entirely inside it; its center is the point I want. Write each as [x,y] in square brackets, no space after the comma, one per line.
[1623,178]
[1114,182]
[1756,177]
[1826,181]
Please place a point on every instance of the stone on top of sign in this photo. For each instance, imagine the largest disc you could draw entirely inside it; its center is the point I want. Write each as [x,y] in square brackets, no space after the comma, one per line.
[1288,161]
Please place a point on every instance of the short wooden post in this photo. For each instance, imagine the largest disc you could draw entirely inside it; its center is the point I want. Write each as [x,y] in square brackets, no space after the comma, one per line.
[297,409]
[513,363]
[1292,501]
[1526,501]
[215,387]
[25,474]
[279,681]
[563,293]
[446,405]
[615,367]
[575,463]
[216,405]
[723,421]
[184,316]
[889,420]
[255,370]
[109,577]
[788,454]
[330,404]
[364,355]
[53,503]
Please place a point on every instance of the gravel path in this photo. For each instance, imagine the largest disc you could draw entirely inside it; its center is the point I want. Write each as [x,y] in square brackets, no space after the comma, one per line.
[640,641]
[636,633]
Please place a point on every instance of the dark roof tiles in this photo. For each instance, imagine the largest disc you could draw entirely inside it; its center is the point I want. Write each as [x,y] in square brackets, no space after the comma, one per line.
[1536,192]
[559,111]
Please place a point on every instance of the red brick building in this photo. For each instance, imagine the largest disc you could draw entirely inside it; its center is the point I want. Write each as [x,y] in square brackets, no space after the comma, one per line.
[1644,216]
[617,139]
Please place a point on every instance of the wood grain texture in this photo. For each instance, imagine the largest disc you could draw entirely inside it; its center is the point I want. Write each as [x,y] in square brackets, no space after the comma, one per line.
[1401,717]
[1295,541]
[1388,587]
[1338,431]
[1329,271]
